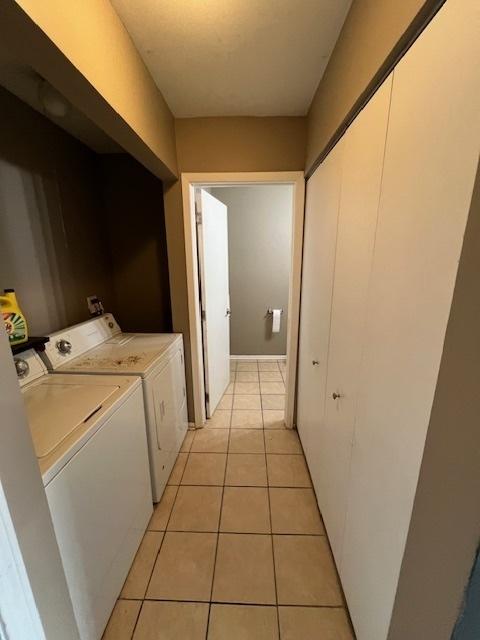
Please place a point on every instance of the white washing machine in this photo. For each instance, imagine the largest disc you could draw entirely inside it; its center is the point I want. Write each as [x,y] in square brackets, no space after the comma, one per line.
[98,346]
[89,438]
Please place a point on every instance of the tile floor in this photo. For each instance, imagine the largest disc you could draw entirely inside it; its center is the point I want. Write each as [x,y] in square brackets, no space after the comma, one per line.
[236,549]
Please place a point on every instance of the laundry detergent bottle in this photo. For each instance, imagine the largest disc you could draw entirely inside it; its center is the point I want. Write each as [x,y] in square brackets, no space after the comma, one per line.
[15,322]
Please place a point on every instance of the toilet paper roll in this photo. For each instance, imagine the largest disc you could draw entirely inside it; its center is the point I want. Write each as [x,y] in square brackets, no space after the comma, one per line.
[276,315]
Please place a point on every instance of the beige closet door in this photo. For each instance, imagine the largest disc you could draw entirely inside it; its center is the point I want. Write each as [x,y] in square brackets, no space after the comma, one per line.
[320,237]
[430,163]
[364,147]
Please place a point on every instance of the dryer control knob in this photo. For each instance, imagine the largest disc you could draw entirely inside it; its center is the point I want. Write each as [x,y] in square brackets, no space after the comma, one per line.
[64,346]
[22,367]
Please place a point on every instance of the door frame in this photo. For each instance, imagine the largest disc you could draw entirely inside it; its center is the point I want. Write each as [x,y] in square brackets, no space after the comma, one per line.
[189,182]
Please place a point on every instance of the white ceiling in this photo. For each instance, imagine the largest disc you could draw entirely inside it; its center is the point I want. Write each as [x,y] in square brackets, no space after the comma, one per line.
[235,57]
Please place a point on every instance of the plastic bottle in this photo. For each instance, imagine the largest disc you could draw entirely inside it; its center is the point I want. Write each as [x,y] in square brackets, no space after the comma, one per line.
[15,322]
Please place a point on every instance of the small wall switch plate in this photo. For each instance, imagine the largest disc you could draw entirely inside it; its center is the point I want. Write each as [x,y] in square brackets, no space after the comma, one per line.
[95,306]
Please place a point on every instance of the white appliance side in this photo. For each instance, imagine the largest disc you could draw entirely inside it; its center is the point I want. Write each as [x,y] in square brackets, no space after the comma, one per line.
[98,538]
[166,411]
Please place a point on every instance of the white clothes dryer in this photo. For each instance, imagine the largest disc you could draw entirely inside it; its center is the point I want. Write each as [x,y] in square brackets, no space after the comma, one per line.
[89,437]
[98,346]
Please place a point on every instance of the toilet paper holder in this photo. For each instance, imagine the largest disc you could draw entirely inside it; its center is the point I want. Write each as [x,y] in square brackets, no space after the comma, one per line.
[270,311]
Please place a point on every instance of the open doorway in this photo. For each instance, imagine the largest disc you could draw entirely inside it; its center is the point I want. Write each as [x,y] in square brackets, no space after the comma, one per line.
[243,238]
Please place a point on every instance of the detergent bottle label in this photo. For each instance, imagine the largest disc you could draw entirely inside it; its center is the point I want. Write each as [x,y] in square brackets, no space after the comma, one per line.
[15,326]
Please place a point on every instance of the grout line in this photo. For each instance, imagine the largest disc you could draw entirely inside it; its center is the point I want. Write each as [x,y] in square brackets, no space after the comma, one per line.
[218,533]
[241,533]
[247,604]
[271,530]
[168,520]
[138,618]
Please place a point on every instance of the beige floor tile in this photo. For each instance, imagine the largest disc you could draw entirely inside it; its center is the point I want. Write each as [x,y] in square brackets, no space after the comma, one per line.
[225,403]
[274,419]
[272,388]
[247,376]
[196,509]
[246,441]
[141,569]
[172,621]
[287,471]
[305,572]
[273,401]
[268,366]
[184,567]
[295,511]
[244,569]
[246,470]
[229,390]
[247,388]
[245,510]
[178,468]
[187,442]
[233,376]
[162,510]
[247,366]
[233,365]
[122,621]
[219,420]
[205,469]
[247,419]
[282,441]
[310,623]
[241,622]
[210,441]
[246,402]
[270,376]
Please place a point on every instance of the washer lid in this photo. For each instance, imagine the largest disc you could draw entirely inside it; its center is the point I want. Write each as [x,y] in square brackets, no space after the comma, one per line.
[124,353]
[55,410]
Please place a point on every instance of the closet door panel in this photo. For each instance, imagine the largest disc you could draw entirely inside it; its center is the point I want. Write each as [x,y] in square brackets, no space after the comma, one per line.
[360,194]
[430,163]
[320,237]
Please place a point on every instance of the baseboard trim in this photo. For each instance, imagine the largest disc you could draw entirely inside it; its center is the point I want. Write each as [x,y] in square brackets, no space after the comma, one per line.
[258,357]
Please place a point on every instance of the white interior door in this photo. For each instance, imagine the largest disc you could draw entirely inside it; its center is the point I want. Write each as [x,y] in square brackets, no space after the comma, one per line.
[212,234]
[360,195]
[320,238]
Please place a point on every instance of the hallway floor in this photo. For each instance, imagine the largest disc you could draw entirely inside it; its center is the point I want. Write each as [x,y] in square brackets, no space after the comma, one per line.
[236,549]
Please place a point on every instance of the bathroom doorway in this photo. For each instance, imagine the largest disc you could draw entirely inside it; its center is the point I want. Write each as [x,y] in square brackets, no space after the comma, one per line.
[243,241]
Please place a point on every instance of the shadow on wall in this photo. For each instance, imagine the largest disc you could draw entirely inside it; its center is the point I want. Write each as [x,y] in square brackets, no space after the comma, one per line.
[75,224]
[468,623]
[133,202]
[52,242]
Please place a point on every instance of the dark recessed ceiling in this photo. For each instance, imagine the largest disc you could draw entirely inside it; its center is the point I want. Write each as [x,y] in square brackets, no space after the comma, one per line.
[25,83]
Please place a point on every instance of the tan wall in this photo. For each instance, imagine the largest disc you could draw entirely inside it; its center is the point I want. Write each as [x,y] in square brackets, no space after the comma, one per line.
[94,63]
[370,32]
[445,526]
[240,144]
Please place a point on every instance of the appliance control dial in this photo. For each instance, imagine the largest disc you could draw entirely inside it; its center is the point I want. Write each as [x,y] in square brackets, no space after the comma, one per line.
[22,367]
[64,346]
